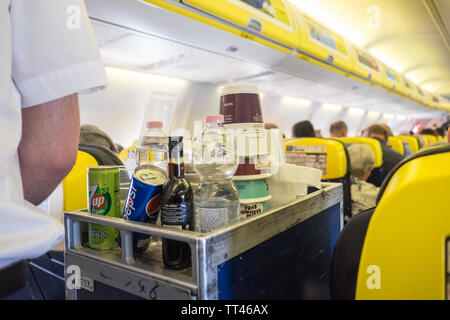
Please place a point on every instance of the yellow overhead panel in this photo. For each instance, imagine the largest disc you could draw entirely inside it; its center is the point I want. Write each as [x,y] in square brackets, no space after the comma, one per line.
[271,19]
[320,42]
[428,99]
[414,94]
[367,66]
[393,78]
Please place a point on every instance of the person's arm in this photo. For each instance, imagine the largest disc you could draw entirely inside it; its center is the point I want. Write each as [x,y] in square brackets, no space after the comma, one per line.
[48,149]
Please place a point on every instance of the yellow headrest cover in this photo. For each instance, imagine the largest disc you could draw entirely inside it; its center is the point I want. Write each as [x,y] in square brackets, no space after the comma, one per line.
[326,154]
[75,183]
[405,245]
[431,139]
[123,155]
[412,142]
[373,144]
[396,144]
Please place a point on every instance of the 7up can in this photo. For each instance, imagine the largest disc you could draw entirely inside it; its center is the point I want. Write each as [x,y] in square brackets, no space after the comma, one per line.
[103,199]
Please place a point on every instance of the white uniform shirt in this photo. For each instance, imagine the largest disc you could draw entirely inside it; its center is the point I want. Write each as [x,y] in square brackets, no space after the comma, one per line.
[47,51]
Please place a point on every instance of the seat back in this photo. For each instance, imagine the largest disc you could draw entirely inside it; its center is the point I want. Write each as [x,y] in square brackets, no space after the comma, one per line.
[75,183]
[396,144]
[412,142]
[405,246]
[377,174]
[372,143]
[329,155]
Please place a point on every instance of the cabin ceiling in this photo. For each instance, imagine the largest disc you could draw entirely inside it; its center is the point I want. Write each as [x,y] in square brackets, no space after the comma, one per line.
[131,39]
[412,36]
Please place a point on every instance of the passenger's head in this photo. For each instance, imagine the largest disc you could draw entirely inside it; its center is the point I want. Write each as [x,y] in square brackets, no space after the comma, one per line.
[303,129]
[428,131]
[441,131]
[90,134]
[388,129]
[338,129]
[318,133]
[378,131]
[362,160]
[269,125]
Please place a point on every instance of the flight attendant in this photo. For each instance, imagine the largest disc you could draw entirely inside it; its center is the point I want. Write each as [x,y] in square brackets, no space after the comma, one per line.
[48,54]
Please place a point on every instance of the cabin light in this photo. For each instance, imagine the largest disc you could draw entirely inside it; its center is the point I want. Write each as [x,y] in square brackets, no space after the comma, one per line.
[356,112]
[401,118]
[230,81]
[262,95]
[143,76]
[331,107]
[373,114]
[388,116]
[297,101]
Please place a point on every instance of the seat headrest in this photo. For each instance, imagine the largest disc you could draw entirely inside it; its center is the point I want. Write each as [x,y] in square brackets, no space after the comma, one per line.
[103,155]
[329,155]
[420,154]
[412,141]
[396,144]
[374,145]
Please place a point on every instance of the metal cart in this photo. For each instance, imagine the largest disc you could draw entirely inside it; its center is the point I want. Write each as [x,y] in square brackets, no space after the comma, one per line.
[284,253]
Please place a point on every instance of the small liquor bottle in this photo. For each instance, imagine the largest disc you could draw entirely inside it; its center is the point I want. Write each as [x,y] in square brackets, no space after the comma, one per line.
[177,208]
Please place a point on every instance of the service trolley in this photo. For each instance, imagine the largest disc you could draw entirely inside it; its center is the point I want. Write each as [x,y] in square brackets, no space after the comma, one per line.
[284,253]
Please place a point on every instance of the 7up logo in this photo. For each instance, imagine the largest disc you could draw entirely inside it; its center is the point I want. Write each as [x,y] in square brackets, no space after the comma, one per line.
[99,200]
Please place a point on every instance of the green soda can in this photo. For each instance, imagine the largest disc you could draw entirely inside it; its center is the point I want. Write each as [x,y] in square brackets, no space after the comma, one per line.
[103,199]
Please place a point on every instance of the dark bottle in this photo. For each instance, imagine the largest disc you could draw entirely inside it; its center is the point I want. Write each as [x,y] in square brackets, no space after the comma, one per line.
[177,208]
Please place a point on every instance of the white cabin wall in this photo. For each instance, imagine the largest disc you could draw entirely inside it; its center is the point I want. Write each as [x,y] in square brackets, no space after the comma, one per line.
[119,109]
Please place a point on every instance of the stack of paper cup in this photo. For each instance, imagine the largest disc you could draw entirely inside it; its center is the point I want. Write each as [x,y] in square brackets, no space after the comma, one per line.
[241,107]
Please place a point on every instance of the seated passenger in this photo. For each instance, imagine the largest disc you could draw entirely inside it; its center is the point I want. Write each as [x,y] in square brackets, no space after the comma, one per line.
[90,134]
[390,157]
[363,193]
[303,129]
[338,129]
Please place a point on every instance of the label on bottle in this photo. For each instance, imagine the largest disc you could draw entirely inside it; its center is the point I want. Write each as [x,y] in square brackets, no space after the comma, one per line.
[208,219]
[175,215]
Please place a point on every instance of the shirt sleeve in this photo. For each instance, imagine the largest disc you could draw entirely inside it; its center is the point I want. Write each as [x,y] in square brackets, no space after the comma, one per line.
[54,51]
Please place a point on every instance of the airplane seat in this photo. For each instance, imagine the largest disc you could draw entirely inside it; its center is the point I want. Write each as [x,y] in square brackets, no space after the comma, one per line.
[398,249]
[431,139]
[412,141]
[377,175]
[330,155]
[46,273]
[396,144]
[103,155]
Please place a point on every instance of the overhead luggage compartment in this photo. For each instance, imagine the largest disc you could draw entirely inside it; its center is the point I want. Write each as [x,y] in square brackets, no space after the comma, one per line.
[321,43]
[193,37]
[271,19]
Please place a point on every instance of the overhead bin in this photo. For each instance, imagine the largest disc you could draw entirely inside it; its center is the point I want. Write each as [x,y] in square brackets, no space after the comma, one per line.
[220,29]
[367,66]
[271,19]
[393,79]
[320,42]
[411,88]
